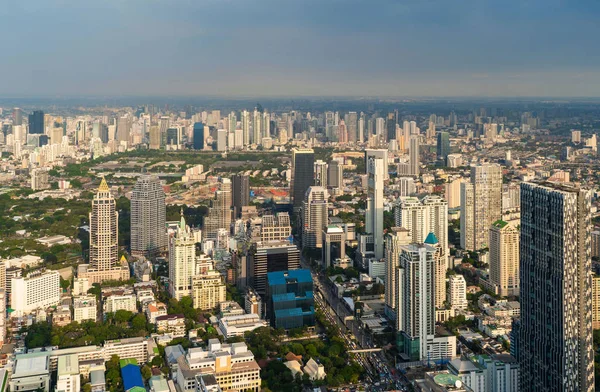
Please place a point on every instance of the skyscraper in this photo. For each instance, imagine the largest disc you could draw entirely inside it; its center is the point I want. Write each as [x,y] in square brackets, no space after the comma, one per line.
[267,257]
[315,215]
[219,215]
[246,127]
[480,205]
[504,258]
[390,125]
[421,219]
[148,216]
[257,127]
[321,173]
[17,116]
[555,349]
[414,158]
[374,211]
[335,175]
[240,189]
[198,136]
[443,146]
[154,138]
[123,129]
[303,162]
[104,240]
[36,122]
[351,120]
[378,153]
[394,239]
[182,261]
[415,319]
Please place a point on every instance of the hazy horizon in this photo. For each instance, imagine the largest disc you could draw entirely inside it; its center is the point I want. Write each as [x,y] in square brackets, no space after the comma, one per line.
[310,49]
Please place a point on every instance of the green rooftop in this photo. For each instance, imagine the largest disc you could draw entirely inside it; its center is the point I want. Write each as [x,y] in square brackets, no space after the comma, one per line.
[500,224]
[128,361]
[445,379]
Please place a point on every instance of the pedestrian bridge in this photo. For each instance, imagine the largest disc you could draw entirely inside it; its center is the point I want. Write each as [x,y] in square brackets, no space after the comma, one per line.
[365,350]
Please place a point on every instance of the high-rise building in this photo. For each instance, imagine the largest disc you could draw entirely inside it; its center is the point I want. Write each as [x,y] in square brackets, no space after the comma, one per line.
[148,215]
[232,122]
[182,261]
[504,258]
[321,173]
[104,240]
[123,129]
[290,300]
[457,292]
[351,121]
[415,315]
[219,215]
[421,217]
[38,290]
[3,316]
[452,192]
[443,146]
[374,211]
[17,116]
[480,205]
[414,157]
[154,138]
[198,136]
[555,348]
[208,290]
[396,238]
[303,162]
[275,228]
[315,213]
[257,127]
[596,302]
[246,127]
[271,256]
[163,125]
[335,175]
[390,125]
[378,153]
[240,189]
[36,123]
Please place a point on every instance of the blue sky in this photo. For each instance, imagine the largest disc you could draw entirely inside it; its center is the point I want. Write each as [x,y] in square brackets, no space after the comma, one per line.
[300,48]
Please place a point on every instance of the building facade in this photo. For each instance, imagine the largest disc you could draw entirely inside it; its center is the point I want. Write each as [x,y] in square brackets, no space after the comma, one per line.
[555,349]
[504,258]
[148,215]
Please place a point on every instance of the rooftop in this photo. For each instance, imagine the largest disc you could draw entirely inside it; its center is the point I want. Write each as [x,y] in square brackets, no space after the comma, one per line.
[282,277]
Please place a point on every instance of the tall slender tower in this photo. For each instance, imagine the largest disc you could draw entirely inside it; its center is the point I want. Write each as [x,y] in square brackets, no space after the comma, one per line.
[480,205]
[504,258]
[240,190]
[303,174]
[104,230]
[182,257]
[104,240]
[219,215]
[414,157]
[246,127]
[555,349]
[314,216]
[374,212]
[397,237]
[148,217]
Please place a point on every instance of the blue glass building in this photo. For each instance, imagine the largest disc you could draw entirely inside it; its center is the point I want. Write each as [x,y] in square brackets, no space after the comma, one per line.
[290,299]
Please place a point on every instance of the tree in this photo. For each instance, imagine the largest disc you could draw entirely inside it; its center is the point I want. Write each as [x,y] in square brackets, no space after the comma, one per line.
[123,316]
[138,322]
[146,372]
[38,335]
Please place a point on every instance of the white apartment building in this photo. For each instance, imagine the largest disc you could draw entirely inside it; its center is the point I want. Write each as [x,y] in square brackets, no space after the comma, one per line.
[84,308]
[232,365]
[172,324]
[240,324]
[115,302]
[208,290]
[457,292]
[35,291]
[182,255]
[67,376]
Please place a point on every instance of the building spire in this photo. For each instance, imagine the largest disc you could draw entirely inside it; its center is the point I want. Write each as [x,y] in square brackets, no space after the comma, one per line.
[182,223]
[103,186]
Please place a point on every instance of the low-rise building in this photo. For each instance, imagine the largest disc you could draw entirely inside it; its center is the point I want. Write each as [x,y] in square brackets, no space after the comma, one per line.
[240,324]
[31,372]
[314,370]
[154,310]
[120,301]
[136,348]
[67,376]
[232,365]
[253,302]
[172,324]
[230,308]
[84,308]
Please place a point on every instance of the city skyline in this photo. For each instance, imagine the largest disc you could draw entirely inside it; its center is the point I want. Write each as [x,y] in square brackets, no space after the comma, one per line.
[320,48]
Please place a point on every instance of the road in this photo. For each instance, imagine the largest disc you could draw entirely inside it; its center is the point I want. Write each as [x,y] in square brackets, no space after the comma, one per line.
[378,371]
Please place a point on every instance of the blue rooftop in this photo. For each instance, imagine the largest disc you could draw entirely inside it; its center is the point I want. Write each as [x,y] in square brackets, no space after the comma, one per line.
[282,277]
[291,296]
[132,377]
[292,312]
[431,239]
